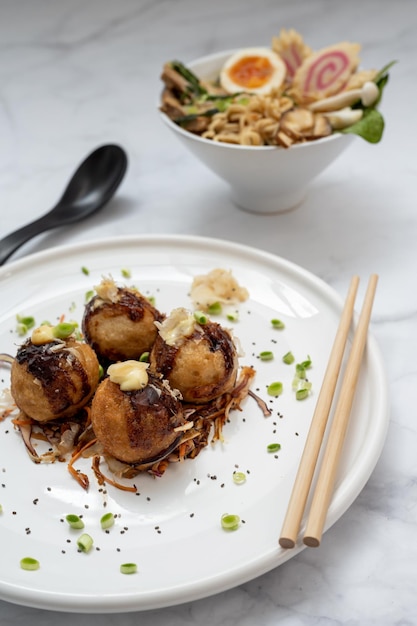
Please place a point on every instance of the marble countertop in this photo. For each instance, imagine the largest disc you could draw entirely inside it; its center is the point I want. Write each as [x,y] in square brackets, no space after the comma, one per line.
[76,74]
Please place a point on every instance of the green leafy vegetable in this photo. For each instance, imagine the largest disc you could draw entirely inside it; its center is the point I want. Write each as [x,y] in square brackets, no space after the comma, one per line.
[370,127]
[190,77]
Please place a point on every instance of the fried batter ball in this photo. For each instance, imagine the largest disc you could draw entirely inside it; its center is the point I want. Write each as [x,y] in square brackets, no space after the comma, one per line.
[55,379]
[137,426]
[118,323]
[201,362]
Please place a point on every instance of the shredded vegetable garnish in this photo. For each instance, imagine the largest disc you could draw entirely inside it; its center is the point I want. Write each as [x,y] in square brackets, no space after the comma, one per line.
[29,564]
[230,521]
[273,447]
[233,317]
[275,389]
[239,478]
[266,355]
[107,521]
[128,568]
[288,358]
[276,323]
[85,270]
[126,273]
[85,542]
[74,521]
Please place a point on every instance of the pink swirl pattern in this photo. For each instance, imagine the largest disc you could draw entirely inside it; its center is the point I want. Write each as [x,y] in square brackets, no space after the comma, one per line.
[325,72]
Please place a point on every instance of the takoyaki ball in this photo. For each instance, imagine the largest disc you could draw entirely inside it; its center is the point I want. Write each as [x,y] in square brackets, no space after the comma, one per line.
[136,425]
[118,323]
[53,378]
[200,360]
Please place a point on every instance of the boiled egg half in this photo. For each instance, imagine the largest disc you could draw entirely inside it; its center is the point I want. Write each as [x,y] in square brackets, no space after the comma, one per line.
[254,70]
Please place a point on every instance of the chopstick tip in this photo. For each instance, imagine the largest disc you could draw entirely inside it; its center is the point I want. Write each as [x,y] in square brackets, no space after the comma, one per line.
[286,542]
[311,542]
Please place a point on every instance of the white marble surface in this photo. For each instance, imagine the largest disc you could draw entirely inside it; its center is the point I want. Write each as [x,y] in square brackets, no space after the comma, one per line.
[76,74]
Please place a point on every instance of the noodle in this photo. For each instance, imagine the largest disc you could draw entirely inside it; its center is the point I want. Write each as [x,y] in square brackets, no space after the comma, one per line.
[254,123]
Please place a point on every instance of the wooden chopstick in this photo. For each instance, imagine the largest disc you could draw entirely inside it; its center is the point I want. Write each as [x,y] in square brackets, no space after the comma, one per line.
[314,439]
[325,482]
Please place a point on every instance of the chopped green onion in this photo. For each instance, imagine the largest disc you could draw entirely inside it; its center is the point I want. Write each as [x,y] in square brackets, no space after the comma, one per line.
[107,521]
[1,508]
[300,384]
[230,522]
[85,270]
[144,357]
[100,371]
[267,355]
[200,317]
[288,358]
[277,324]
[24,324]
[152,300]
[29,564]
[275,389]
[239,478]
[301,394]
[126,273]
[63,330]
[128,568]
[74,521]
[215,308]
[233,317]
[85,542]
[300,371]
[89,295]
[28,320]
[273,447]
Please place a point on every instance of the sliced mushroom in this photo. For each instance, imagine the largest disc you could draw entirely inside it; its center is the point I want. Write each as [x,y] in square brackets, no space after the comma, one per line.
[321,128]
[370,93]
[337,102]
[297,122]
[343,118]
[367,94]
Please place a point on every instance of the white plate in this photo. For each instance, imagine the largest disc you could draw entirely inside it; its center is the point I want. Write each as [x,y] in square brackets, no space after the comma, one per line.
[172,529]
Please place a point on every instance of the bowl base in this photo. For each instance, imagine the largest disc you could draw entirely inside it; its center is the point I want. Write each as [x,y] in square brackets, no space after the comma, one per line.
[267,205]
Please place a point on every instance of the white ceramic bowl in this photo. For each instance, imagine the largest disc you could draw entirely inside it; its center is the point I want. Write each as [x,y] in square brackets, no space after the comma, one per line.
[265,179]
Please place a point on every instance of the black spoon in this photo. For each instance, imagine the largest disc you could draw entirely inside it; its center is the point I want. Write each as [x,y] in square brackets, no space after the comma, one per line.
[92,185]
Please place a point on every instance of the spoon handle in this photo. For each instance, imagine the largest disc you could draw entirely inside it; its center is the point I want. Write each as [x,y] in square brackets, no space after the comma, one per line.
[12,242]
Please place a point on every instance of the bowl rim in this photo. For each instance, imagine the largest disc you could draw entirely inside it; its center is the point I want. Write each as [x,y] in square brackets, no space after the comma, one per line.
[224,54]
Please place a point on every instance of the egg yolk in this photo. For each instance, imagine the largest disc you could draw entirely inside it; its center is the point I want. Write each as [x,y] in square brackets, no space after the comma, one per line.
[251,72]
